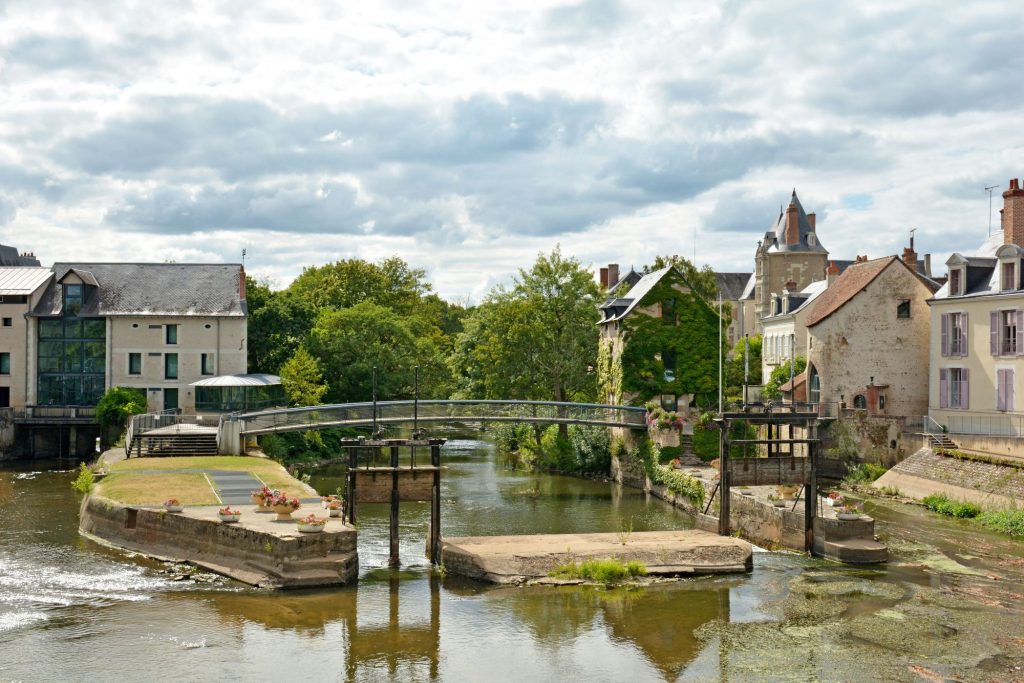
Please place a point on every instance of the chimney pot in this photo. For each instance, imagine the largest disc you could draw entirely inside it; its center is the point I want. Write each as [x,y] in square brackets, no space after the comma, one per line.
[812,219]
[1012,214]
[831,273]
[604,277]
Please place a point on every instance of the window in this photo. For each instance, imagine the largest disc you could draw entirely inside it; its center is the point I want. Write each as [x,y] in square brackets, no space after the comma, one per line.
[814,386]
[172,334]
[170,399]
[1004,389]
[134,363]
[1008,332]
[954,334]
[171,366]
[903,308]
[881,401]
[954,282]
[206,364]
[859,402]
[5,363]
[1009,272]
[668,359]
[953,388]
[8,322]
[72,300]
[669,402]
[668,311]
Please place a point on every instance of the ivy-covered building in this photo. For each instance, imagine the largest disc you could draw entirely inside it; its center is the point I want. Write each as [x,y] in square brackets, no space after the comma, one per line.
[659,340]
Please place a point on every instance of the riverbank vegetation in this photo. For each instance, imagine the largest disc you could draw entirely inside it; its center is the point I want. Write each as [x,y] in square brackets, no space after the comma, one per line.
[647,457]
[1009,520]
[600,571]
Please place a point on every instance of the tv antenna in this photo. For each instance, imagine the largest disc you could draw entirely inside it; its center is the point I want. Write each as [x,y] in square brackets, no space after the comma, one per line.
[989,188]
[243,258]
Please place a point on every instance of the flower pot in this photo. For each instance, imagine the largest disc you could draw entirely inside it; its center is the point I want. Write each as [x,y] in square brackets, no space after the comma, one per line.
[779,503]
[745,492]
[310,528]
[336,513]
[284,512]
[848,516]
[229,519]
[174,508]
[263,507]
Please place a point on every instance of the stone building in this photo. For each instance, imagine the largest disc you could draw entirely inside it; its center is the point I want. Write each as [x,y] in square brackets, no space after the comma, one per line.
[868,337]
[977,340]
[789,257]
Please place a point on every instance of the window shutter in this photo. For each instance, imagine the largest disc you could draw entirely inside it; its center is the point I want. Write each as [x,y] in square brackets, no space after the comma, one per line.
[1020,332]
[1000,389]
[943,386]
[993,325]
[965,401]
[963,334]
[1008,392]
[945,334]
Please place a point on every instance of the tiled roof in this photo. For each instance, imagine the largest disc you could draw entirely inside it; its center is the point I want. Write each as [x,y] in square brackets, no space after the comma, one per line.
[854,279]
[21,281]
[731,285]
[152,289]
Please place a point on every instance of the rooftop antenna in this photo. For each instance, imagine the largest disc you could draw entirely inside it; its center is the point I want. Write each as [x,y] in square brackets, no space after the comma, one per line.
[989,188]
[912,231]
[243,258]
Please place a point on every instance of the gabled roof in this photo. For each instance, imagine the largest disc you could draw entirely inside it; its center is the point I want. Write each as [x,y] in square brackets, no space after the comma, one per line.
[630,278]
[199,289]
[22,281]
[84,275]
[617,309]
[850,283]
[748,289]
[9,256]
[731,286]
[804,298]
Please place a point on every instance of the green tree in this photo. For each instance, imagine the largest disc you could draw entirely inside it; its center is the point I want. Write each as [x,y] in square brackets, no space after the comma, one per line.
[117,405]
[302,379]
[536,340]
[343,284]
[349,343]
[278,324]
[780,375]
[733,370]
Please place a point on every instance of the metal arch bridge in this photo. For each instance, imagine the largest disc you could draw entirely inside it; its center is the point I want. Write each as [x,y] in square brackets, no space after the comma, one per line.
[436,411]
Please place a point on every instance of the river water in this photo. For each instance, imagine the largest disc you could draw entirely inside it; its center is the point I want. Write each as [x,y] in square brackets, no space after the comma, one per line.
[949,606]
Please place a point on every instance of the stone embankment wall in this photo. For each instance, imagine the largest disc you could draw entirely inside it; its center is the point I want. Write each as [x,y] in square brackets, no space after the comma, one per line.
[927,472]
[254,557]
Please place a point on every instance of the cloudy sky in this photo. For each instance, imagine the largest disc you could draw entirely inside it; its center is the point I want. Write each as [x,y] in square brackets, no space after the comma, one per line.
[467,136]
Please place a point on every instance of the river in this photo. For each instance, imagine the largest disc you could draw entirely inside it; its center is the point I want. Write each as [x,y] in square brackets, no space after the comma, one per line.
[949,605]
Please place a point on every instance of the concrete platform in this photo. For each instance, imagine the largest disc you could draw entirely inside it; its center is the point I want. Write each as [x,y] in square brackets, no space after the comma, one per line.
[512,559]
[257,550]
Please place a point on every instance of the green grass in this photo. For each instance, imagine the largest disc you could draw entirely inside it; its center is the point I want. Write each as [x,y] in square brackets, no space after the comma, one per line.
[602,571]
[270,472]
[131,488]
[1009,521]
[944,505]
[864,473]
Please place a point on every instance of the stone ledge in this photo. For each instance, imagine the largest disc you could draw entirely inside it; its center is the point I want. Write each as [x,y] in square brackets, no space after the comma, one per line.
[255,552]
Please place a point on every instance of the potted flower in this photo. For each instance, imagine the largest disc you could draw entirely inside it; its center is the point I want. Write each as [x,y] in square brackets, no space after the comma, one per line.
[776,501]
[261,498]
[336,507]
[284,505]
[227,515]
[849,512]
[835,498]
[311,524]
[173,505]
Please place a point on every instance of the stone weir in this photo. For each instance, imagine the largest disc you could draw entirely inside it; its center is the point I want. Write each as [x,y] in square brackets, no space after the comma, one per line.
[257,550]
[513,559]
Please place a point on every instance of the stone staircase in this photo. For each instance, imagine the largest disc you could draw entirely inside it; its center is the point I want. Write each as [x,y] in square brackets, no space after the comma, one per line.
[941,440]
[196,441]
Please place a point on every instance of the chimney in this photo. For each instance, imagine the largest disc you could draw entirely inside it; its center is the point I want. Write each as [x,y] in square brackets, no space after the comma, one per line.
[910,257]
[790,286]
[928,265]
[604,278]
[613,274]
[831,273]
[241,283]
[861,259]
[812,218]
[792,224]
[1012,215]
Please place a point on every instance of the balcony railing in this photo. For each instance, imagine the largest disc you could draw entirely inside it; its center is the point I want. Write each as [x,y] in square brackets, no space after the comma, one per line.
[53,412]
[1011,425]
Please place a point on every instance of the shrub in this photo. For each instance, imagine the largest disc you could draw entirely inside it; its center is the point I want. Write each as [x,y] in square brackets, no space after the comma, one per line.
[679,483]
[118,404]
[1009,521]
[705,443]
[603,571]
[941,503]
[864,473]
[84,481]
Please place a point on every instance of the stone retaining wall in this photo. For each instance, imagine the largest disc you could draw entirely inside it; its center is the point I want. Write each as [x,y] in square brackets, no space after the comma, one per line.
[254,557]
[926,472]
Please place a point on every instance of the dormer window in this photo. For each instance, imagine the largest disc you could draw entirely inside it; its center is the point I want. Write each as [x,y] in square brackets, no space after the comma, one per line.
[810,239]
[1009,276]
[72,300]
[954,282]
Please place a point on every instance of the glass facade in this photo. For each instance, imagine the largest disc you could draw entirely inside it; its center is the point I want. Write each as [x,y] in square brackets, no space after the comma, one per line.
[244,398]
[71,355]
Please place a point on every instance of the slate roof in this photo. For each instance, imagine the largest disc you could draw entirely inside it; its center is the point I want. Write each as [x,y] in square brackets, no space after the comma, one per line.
[851,282]
[775,239]
[731,285]
[198,289]
[617,309]
[630,278]
[9,256]
[22,281]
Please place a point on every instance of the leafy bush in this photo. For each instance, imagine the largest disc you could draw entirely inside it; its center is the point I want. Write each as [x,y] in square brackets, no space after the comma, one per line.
[679,483]
[705,443]
[587,449]
[118,404]
[84,481]
[1009,521]
[941,503]
[864,473]
[779,376]
[604,571]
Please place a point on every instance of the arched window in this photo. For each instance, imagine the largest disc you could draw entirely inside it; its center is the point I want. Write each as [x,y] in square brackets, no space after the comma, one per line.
[813,386]
[859,402]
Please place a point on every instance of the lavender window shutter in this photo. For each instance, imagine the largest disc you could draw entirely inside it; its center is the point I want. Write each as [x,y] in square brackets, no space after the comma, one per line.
[1000,389]
[1008,394]
[945,334]
[943,387]
[963,334]
[965,400]
[1020,333]
[993,325]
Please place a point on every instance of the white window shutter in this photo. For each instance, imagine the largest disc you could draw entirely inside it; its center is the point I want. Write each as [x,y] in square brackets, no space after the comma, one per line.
[945,334]
[965,383]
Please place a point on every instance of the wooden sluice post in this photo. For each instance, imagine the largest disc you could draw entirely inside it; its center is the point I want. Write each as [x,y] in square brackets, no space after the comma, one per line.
[435,505]
[351,491]
[723,479]
[811,491]
[393,557]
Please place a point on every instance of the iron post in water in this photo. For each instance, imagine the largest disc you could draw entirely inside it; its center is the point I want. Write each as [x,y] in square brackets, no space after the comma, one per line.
[375,401]
[435,505]
[393,557]
[723,480]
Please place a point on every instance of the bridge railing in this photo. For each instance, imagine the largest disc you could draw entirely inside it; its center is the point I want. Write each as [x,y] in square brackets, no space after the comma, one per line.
[392,412]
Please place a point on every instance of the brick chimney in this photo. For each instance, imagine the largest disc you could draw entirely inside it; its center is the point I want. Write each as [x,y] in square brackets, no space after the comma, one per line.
[831,273]
[241,283]
[1012,214]
[604,278]
[613,274]
[812,219]
[861,259]
[910,256]
[792,224]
